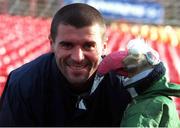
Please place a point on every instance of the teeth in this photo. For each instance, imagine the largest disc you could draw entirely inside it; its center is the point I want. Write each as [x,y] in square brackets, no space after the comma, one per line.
[77,67]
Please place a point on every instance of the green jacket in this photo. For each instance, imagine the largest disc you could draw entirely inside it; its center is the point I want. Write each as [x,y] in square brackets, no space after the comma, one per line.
[154,108]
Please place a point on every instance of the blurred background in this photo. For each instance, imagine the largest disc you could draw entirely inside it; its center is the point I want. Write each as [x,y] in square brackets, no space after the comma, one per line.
[25,24]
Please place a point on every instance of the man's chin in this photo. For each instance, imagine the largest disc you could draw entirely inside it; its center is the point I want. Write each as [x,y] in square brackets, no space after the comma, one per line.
[77,86]
[77,81]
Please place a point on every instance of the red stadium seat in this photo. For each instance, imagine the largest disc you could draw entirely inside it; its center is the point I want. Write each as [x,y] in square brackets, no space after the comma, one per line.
[22,39]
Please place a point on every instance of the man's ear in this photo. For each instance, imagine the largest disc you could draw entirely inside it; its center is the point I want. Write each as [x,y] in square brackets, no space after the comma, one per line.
[104,52]
[51,42]
[50,39]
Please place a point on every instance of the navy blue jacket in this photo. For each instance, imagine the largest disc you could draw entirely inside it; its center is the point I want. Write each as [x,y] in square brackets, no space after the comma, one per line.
[37,94]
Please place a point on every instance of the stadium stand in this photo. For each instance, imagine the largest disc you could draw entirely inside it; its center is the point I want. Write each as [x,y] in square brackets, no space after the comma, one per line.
[22,39]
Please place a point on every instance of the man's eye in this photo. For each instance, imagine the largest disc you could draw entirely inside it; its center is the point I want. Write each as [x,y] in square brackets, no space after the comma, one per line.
[89,46]
[66,45]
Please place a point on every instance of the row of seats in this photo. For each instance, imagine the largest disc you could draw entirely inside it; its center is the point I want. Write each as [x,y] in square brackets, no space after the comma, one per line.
[21,40]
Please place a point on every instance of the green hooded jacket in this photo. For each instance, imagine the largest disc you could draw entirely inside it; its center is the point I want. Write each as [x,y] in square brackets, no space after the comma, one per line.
[154,108]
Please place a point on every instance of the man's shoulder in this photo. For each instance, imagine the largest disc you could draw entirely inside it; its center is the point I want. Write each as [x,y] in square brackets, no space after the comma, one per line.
[34,68]
[114,79]
[30,78]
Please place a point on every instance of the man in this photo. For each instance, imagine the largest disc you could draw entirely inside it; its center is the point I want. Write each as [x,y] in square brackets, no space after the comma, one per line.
[62,88]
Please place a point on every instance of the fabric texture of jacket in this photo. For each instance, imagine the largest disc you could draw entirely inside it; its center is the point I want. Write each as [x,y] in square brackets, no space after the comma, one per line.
[155,107]
[37,94]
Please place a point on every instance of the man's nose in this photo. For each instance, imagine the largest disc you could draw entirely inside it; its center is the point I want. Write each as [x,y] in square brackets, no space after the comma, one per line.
[77,54]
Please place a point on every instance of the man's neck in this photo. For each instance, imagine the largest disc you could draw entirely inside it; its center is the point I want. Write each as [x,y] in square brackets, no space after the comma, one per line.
[83,87]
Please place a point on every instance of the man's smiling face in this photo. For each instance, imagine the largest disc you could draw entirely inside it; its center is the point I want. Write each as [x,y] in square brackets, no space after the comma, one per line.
[78,52]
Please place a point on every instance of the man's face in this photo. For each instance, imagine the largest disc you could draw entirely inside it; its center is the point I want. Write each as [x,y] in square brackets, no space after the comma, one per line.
[78,52]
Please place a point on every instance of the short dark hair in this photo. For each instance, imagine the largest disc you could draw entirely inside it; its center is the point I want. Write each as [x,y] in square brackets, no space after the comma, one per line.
[78,15]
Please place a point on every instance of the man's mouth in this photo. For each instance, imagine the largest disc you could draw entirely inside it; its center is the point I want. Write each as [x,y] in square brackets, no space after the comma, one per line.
[79,67]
